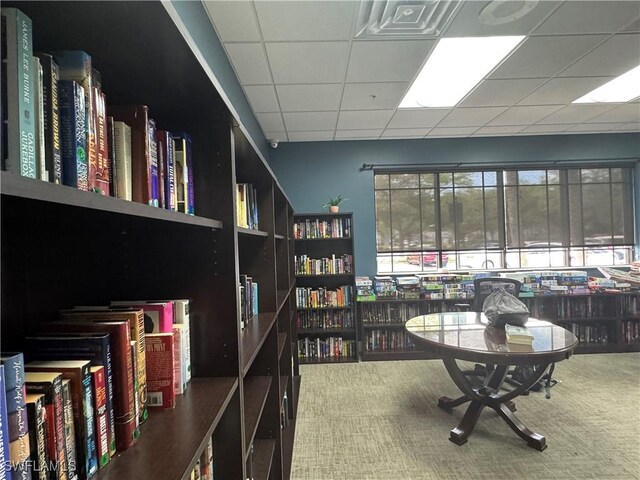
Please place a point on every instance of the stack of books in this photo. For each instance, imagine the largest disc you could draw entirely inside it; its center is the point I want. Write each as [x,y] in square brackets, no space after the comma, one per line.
[518,335]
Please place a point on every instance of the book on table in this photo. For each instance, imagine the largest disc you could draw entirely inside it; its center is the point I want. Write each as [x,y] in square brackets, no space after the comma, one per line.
[518,335]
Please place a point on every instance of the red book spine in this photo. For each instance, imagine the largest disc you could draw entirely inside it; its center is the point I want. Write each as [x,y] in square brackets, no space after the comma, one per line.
[160,371]
[100,409]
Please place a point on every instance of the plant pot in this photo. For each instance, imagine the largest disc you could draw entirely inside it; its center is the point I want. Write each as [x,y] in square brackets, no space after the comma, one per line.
[334,208]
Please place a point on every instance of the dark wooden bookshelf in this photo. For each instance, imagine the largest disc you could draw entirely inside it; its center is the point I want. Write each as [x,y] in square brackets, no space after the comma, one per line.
[256,390]
[262,458]
[191,423]
[284,381]
[63,247]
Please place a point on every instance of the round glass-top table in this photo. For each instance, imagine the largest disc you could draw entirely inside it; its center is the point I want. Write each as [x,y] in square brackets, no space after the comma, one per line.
[468,336]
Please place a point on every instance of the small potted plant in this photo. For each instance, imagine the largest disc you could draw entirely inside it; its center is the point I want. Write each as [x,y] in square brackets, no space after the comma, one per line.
[334,204]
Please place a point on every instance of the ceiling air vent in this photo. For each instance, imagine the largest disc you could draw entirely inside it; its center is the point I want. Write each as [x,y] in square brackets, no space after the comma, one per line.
[404,18]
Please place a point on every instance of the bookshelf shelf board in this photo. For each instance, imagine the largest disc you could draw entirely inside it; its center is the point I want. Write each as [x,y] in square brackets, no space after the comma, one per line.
[253,336]
[255,396]
[33,189]
[327,331]
[383,325]
[281,298]
[395,355]
[324,308]
[284,380]
[304,360]
[278,236]
[288,435]
[282,341]
[251,232]
[262,458]
[324,275]
[321,239]
[190,424]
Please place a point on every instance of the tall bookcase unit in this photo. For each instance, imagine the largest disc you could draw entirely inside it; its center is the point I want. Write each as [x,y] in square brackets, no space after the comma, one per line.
[63,247]
[603,323]
[326,330]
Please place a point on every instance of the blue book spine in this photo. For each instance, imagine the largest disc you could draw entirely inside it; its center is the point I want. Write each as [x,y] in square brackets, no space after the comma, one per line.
[91,460]
[189,161]
[154,201]
[14,382]
[75,171]
[5,472]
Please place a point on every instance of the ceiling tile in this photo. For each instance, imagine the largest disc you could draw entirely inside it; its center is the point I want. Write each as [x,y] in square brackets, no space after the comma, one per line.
[311,136]
[262,98]
[576,113]
[358,120]
[629,112]
[563,90]
[249,62]
[503,130]
[633,26]
[405,132]
[591,127]
[627,127]
[372,96]
[496,93]
[358,134]
[614,57]
[524,115]
[387,61]
[418,118]
[308,62]
[234,21]
[306,20]
[590,17]
[270,122]
[309,98]
[280,136]
[543,57]
[452,132]
[310,121]
[471,117]
[467,22]
[546,128]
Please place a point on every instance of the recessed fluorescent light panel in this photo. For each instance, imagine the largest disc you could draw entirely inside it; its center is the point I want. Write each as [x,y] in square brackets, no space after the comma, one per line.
[621,89]
[455,67]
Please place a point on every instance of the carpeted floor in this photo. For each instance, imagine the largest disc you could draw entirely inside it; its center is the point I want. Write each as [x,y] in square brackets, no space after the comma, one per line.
[379,420]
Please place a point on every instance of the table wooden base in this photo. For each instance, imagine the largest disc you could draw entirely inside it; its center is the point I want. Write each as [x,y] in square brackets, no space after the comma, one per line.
[489,395]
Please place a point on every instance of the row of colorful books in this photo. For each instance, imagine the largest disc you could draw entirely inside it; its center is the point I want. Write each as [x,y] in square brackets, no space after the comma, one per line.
[326,348]
[120,360]
[387,340]
[311,229]
[325,319]
[56,127]
[247,206]
[322,297]
[323,266]
[248,299]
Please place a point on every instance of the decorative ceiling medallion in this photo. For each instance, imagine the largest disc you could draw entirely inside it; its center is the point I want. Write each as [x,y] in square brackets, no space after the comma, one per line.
[500,12]
[404,18]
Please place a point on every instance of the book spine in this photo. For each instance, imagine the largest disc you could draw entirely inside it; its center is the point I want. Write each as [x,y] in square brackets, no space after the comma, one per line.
[179,377]
[122,160]
[73,135]
[100,415]
[5,472]
[153,163]
[87,420]
[38,113]
[18,424]
[102,174]
[138,335]
[181,174]
[111,150]
[51,118]
[19,452]
[136,398]
[190,194]
[37,438]
[181,316]
[69,430]
[21,132]
[160,361]
[166,147]
[161,171]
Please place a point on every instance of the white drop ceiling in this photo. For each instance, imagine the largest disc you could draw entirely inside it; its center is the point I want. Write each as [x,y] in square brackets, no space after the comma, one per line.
[309,78]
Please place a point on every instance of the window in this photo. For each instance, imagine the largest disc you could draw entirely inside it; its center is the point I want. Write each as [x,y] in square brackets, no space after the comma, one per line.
[466,220]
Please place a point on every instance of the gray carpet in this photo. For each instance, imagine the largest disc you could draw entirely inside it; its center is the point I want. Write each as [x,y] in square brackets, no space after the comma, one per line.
[379,420]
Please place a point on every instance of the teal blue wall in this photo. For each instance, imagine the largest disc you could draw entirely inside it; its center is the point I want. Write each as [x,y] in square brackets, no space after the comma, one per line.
[312,172]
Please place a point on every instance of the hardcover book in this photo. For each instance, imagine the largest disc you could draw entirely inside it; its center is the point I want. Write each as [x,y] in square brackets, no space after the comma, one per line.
[19,453]
[122,160]
[137,117]
[100,414]
[50,385]
[181,173]
[161,172]
[38,111]
[111,149]
[77,372]
[18,151]
[123,382]
[73,135]
[160,359]
[153,159]
[14,381]
[18,424]
[50,77]
[5,472]
[181,317]
[37,435]
[103,171]
[166,156]
[94,347]
[69,429]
